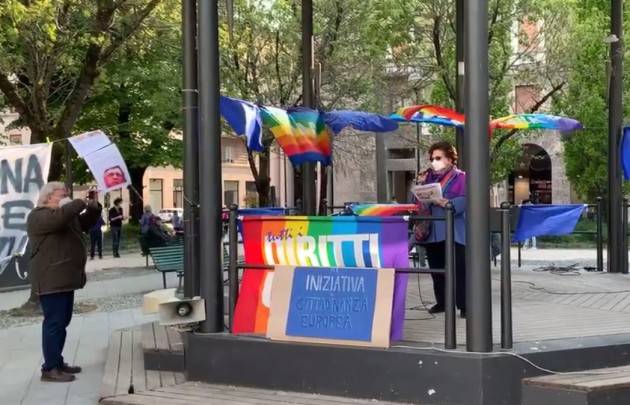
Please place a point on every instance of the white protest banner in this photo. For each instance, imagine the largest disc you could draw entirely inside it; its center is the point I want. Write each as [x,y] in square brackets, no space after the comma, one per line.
[23,172]
[104,160]
[89,142]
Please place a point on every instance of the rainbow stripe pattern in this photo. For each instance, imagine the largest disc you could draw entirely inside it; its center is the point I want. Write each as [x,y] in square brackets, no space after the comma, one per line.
[301,133]
[536,121]
[383,210]
[431,114]
[349,242]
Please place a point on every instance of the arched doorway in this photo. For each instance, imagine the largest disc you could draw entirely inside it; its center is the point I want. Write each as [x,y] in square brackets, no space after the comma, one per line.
[531,178]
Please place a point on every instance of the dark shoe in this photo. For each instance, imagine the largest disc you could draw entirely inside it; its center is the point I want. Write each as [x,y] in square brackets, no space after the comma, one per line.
[71,369]
[100,257]
[462,313]
[91,257]
[56,375]
[436,309]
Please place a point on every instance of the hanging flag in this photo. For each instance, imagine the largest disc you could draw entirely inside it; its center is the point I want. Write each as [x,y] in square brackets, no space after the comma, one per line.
[244,118]
[359,120]
[547,220]
[625,153]
[104,160]
[383,210]
[301,133]
[430,114]
[536,121]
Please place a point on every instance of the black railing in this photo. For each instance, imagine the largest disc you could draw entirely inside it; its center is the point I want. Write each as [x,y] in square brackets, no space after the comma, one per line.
[450,339]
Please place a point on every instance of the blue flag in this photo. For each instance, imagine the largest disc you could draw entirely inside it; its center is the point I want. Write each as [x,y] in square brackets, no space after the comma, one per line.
[244,118]
[547,220]
[625,153]
[359,120]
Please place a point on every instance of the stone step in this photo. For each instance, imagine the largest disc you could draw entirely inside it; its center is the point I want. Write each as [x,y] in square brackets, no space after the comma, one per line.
[607,386]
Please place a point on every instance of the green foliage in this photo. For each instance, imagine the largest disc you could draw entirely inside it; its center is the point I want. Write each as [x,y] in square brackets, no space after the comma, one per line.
[585,98]
[137,100]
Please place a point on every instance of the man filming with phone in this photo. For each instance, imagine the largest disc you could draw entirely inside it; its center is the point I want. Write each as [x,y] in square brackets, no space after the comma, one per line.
[57,230]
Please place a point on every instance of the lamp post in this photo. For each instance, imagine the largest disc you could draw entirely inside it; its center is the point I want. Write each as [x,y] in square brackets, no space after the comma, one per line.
[478,288]
[459,76]
[210,190]
[308,169]
[615,117]
[191,147]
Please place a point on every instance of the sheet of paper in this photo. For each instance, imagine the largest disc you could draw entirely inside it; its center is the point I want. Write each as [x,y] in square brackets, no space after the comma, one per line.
[427,192]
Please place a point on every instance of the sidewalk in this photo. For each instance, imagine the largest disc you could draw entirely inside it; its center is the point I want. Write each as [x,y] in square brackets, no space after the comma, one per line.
[111,283]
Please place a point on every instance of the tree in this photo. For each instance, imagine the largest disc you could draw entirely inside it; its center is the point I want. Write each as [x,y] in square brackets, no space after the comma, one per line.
[53,52]
[586,98]
[137,99]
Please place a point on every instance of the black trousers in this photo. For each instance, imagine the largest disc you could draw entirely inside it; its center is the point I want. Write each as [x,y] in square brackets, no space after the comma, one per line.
[96,242]
[116,231]
[436,256]
[57,310]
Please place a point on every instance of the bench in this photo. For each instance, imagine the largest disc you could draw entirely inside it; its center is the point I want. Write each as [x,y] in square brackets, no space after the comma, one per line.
[168,259]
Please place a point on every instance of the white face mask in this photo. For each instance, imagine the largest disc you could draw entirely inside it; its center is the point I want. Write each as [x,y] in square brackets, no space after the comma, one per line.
[438,165]
[64,201]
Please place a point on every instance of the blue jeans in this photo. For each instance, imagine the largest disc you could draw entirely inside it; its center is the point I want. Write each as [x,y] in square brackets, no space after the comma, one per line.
[57,308]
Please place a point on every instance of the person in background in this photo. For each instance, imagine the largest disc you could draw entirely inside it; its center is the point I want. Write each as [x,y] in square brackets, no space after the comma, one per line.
[145,221]
[156,235]
[96,232]
[56,229]
[176,220]
[115,224]
[443,170]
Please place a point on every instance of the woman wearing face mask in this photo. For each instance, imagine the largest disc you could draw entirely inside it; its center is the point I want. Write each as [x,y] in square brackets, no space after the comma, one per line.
[443,158]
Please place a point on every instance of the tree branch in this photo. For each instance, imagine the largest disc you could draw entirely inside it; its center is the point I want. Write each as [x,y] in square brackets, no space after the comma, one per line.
[437,45]
[535,107]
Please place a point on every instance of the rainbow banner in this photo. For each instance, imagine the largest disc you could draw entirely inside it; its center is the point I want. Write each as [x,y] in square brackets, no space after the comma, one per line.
[431,114]
[355,242]
[301,133]
[383,210]
[536,121]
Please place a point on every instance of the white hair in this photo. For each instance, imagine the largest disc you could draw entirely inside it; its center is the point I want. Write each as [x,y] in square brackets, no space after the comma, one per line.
[47,190]
[147,209]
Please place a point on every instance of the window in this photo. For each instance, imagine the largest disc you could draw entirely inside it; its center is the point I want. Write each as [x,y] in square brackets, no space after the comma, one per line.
[178,193]
[230,193]
[406,153]
[525,98]
[251,194]
[227,154]
[15,139]
[155,194]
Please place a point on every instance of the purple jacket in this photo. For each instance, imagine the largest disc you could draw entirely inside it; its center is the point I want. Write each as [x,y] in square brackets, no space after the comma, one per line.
[455,192]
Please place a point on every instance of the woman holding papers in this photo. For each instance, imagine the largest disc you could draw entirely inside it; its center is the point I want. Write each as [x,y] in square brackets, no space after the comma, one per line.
[442,183]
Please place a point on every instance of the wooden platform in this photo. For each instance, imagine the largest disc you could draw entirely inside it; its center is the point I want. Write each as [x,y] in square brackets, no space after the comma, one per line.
[124,370]
[196,393]
[162,347]
[595,387]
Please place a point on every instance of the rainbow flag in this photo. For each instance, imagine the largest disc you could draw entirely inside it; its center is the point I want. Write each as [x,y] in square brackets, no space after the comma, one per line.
[383,210]
[318,242]
[536,121]
[432,114]
[301,133]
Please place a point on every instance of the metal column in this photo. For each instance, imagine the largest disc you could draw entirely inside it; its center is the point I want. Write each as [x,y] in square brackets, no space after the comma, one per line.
[459,76]
[210,190]
[191,148]
[615,118]
[309,190]
[476,149]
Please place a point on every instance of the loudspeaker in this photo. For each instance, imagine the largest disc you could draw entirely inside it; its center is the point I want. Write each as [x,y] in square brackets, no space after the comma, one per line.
[181,311]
